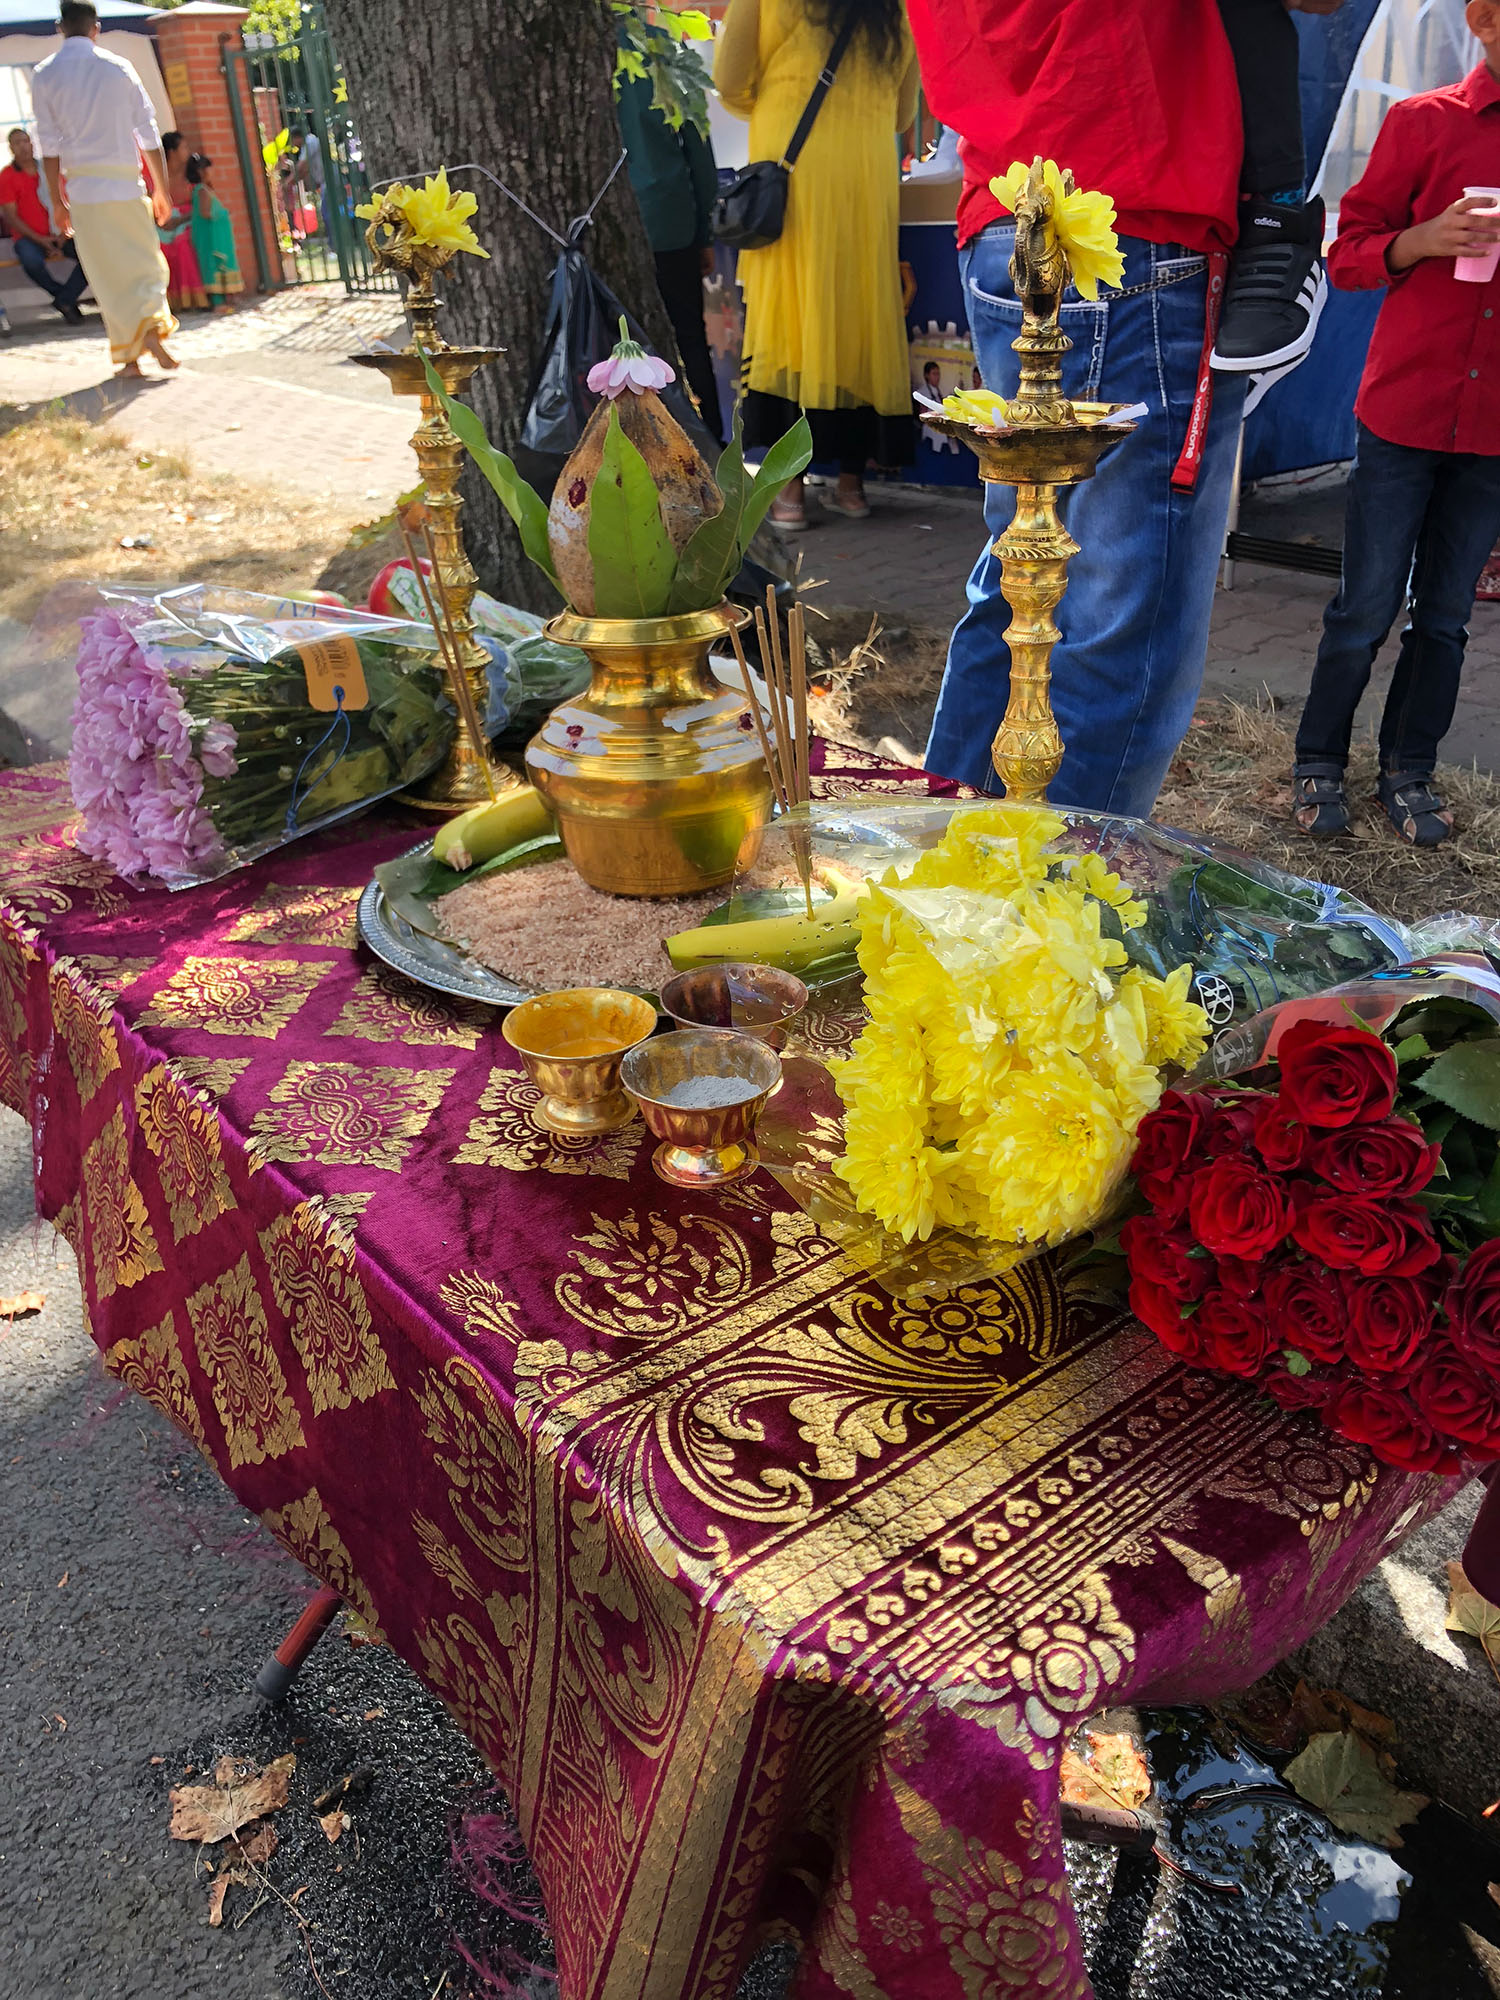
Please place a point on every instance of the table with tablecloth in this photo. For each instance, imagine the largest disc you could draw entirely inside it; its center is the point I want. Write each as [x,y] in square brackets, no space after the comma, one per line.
[770,1598]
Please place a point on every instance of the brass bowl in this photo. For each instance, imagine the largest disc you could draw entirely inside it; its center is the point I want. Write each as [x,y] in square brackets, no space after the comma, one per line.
[703,1146]
[758,1000]
[572,1044]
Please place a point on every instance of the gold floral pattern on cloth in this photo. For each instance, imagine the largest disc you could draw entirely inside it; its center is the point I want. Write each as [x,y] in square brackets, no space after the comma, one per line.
[214,1075]
[122,1246]
[36,800]
[113,975]
[245,1378]
[84,1027]
[345,1116]
[1310,1476]
[18,953]
[234,996]
[44,879]
[338,1213]
[305,1527]
[299,913]
[183,1134]
[153,1366]
[503,1134]
[384,1007]
[315,1284]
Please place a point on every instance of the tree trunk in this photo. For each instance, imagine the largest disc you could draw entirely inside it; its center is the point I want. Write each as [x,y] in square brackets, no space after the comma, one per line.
[523,87]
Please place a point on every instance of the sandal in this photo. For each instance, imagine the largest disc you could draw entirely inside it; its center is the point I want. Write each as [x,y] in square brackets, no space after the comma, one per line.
[1320,806]
[791,522]
[1417,812]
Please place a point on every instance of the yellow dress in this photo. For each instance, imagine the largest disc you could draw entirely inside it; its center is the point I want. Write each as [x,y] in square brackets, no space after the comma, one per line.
[823,317]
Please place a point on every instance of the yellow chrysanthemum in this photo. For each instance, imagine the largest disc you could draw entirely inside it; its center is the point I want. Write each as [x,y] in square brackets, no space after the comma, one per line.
[1082,222]
[1176,1026]
[1049,1154]
[435,213]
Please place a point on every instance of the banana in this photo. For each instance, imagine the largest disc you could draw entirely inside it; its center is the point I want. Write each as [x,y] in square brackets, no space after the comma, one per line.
[790,941]
[485,831]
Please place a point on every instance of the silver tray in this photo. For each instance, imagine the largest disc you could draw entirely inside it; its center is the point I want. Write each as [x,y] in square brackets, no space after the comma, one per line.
[442,968]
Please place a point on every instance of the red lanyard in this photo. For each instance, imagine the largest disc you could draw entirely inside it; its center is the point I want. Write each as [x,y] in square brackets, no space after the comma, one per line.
[1185,471]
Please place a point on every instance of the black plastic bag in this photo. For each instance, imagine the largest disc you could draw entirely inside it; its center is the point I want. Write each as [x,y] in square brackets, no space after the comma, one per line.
[583,324]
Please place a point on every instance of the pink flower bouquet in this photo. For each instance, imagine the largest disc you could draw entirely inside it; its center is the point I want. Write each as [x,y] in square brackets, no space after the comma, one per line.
[213,725]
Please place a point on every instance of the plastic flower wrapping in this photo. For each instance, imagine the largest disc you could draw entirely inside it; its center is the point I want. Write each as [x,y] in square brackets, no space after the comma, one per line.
[1000,994]
[213,725]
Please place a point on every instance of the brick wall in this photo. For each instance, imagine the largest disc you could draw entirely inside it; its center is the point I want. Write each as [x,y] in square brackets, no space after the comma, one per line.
[190,44]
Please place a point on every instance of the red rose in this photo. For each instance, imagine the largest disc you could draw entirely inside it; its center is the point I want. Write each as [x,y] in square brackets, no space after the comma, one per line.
[1164,1257]
[1243,1276]
[1157,1309]
[1236,1209]
[1306,1310]
[1473,1308]
[1168,1145]
[1389,1318]
[1280,1139]
[1458,1401]
[1390,1158]
[1232,1118]
[1235,1334]
[1392,1427]
[1313,1391]
[1333,1076]
[1352,1232]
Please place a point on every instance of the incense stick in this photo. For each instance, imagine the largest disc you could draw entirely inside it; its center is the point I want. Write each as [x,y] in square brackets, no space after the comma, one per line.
[773,764]
[797,644]
[447,638]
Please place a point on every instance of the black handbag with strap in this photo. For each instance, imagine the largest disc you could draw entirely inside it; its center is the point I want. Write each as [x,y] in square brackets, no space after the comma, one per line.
[751,211]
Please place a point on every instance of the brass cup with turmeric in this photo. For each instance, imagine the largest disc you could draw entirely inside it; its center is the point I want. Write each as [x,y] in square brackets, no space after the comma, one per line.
[572,1044]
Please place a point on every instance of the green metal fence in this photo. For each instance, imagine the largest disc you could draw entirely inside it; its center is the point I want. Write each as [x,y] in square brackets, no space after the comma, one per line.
[304,146]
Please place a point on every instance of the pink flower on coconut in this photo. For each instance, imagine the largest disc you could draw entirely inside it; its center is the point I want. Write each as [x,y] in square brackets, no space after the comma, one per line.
[629,367]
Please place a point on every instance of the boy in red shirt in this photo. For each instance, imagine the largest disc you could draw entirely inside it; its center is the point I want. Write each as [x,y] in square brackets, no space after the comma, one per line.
[26,219]
[1423,502]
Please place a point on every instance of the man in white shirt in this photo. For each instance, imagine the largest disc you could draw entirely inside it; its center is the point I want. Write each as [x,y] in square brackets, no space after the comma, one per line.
[94,126]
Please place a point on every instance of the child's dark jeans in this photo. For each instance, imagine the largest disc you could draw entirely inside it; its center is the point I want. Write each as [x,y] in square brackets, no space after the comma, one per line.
[1430,517]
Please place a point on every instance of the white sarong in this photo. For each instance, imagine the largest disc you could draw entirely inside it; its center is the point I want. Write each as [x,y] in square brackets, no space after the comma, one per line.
[121,256]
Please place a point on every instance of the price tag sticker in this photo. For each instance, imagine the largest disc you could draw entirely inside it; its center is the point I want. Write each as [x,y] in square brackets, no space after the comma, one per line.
[331,663]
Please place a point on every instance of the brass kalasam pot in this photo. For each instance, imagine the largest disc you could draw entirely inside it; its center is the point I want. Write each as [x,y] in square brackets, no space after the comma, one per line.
[654,774]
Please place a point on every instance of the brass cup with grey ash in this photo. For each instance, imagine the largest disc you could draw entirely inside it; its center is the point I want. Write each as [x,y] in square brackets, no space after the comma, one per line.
[701,1092]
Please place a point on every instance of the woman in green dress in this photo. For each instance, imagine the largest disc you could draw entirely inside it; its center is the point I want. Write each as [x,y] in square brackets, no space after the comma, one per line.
[213,236]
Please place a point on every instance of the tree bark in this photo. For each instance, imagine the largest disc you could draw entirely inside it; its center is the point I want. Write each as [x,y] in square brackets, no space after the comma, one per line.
[524,88]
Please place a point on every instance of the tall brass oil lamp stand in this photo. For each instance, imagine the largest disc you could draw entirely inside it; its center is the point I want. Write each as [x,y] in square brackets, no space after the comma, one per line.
[1048,442]
[459,782]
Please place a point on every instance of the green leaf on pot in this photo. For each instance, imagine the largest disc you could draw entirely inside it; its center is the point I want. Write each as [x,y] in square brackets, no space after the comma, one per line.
[1467,1078]
[711,554]
[523,503]
[788,457]
[633,559]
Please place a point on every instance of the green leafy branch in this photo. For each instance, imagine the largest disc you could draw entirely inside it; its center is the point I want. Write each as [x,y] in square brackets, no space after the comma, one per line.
[660,52]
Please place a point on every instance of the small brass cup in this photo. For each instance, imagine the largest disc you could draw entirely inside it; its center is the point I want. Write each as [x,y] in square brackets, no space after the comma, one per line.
[572,1044]
[758,1000]
[708,1145]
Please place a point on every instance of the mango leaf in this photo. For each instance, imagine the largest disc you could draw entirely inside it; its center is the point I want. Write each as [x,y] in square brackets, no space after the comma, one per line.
[1467,1077]
[523,503]
[1338,1773]
[633,560]
[711,554]
[786,458]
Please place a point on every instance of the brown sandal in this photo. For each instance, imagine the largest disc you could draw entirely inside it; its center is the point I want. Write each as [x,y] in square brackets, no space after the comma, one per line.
[1418,813]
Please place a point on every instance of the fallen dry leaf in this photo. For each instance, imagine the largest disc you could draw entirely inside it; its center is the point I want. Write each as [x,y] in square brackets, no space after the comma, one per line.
[1338,1772]
[373,1714]
[1320,1710]
[63,1578]
[239,1794]
[1471,1613]
[334,1823]
[239,1864]
[19,1304]
[1111,1772]
[1486,1957]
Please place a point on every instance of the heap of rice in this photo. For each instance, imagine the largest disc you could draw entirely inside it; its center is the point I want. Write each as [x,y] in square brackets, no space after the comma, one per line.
[546,928]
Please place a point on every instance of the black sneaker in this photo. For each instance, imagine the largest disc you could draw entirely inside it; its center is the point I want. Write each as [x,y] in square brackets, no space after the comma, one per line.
[1276,288]
[69,311]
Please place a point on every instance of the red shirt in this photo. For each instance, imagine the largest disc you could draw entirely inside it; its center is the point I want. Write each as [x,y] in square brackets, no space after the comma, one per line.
[24,191]
[1432,376]
[1138,97]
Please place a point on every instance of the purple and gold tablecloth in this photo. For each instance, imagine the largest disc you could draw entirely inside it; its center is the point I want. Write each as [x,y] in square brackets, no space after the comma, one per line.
[769,1599]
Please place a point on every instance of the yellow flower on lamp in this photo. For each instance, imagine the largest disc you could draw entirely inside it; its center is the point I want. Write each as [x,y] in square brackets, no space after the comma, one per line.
[1082,223]
[433,218]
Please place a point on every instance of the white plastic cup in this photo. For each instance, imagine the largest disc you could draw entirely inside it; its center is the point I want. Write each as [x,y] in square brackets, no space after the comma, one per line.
[1479,270]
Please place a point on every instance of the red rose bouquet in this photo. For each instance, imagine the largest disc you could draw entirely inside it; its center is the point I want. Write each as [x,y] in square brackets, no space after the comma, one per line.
[1335,1235]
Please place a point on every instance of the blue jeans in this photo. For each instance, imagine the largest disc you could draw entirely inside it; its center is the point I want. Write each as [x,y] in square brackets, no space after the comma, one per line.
[1419,520]
[1134,621]
[32,259]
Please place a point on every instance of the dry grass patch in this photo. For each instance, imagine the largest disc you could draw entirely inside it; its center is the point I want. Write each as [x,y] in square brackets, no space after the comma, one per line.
[71,493]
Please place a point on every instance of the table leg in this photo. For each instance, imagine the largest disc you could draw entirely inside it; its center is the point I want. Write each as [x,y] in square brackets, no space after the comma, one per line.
[275,1678]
